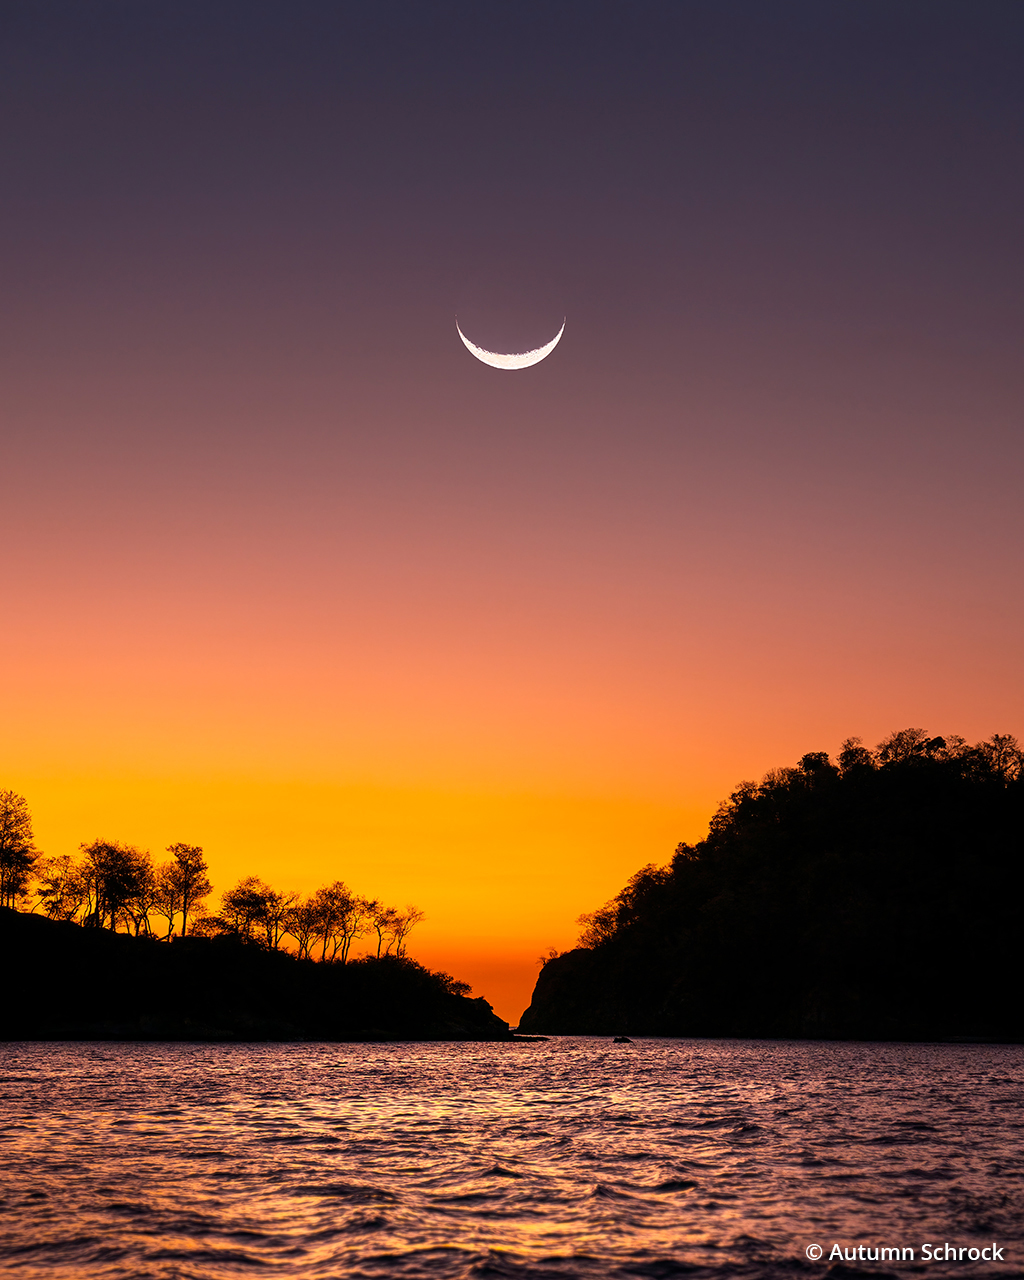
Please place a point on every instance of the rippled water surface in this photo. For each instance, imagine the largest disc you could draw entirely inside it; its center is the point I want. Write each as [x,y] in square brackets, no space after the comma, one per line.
[574,1157]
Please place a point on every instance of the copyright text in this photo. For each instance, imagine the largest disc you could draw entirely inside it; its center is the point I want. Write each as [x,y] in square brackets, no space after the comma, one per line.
[904,1253]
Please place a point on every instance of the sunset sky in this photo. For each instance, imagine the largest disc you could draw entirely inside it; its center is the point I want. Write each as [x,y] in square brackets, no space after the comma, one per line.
[288,574]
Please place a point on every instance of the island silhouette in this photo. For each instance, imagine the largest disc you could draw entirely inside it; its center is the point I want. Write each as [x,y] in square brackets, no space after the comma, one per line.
[87,983]
[119,947]
[877,896]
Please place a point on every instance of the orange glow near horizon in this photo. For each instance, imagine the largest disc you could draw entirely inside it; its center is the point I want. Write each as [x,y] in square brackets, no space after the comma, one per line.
[502,872]
[501,877]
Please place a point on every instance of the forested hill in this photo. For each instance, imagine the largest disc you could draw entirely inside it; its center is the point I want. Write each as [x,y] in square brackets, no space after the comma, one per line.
[877,897]
[63,981]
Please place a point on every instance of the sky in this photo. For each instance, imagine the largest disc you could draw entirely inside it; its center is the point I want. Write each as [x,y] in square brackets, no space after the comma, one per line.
[290,575]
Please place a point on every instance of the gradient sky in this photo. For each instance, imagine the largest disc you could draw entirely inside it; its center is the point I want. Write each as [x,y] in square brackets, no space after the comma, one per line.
[288,574]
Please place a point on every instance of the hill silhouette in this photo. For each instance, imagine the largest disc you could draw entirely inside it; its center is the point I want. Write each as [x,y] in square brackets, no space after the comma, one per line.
[64,981]
[878,897]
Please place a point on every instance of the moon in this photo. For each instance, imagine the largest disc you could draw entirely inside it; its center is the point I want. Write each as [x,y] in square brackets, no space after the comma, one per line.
[515,360]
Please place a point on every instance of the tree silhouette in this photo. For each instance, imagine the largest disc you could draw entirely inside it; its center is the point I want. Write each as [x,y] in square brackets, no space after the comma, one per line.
[243,908]
[62,890]
[341,917]
[382,920]
[166,899]
[119,884]
[116,886]
[185,883]
[255,911]
[302,923]
[17,852]
[141,902]
[404,922]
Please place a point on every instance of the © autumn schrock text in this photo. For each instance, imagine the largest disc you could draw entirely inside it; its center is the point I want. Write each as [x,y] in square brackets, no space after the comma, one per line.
[929,1253]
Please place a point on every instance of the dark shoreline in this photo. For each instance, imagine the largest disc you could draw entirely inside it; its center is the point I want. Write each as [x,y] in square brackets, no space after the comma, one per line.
[66,982]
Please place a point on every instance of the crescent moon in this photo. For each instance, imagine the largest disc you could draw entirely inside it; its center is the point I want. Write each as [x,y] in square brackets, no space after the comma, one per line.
[515,360]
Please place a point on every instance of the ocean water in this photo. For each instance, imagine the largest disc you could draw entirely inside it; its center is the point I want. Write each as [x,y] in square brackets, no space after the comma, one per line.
[574,1157]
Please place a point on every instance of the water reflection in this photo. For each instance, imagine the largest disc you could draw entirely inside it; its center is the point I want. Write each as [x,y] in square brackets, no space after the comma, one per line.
[570,1158]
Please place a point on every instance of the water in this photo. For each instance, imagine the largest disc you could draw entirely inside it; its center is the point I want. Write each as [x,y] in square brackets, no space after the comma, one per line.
[570,1158]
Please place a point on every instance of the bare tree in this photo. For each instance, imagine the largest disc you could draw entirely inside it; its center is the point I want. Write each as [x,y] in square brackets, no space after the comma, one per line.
[383,920]
[403,924]
[17,852]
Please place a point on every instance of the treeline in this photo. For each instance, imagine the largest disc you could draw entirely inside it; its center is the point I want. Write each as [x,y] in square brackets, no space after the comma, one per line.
[120,888]
[875,896]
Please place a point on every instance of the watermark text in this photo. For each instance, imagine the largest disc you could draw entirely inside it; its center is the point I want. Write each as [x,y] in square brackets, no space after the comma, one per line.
[944,1252]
